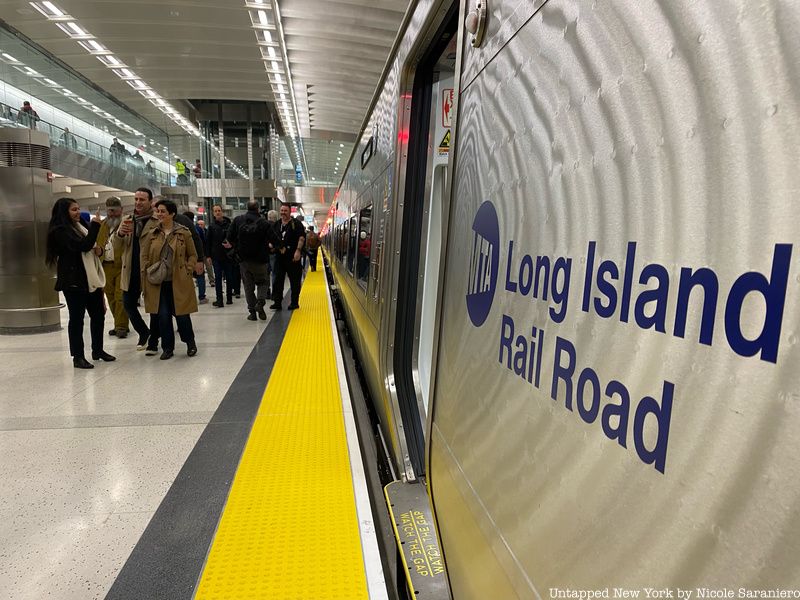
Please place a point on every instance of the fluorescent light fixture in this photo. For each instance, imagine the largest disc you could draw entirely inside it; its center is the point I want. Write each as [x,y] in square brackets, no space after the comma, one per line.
[341,145]
[10,59]
[50,83]
[124,73]
[73,30]
[112,62]
[93,47]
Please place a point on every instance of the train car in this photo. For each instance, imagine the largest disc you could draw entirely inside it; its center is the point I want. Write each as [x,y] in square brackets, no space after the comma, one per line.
[565,250]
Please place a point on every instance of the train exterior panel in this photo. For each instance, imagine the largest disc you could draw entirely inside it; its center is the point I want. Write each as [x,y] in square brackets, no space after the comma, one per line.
[617,395]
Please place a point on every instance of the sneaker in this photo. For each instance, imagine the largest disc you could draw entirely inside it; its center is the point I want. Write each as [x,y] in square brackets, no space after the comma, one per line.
[236,296]
[261,314]
[218,304]
[112,333]
[122,334]
[166,355]
[191,349]
[203,301]
[151,351]
[142,343]
[252,315]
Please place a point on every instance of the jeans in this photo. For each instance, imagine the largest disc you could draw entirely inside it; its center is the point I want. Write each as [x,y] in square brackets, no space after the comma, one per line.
[79,303]
[255,279]
[130,299]
[223,267]
[166,310]
[312,258]
[201,285]
[294,270]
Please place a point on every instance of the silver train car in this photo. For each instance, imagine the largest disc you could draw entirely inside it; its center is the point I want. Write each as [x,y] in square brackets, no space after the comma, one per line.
[566,249]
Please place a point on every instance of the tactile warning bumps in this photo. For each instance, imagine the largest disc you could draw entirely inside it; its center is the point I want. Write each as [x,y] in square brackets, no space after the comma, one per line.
[289,529]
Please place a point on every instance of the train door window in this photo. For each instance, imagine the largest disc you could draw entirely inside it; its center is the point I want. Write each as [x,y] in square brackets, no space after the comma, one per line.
[351,246]
[381,191]
[430,139]
[364,245]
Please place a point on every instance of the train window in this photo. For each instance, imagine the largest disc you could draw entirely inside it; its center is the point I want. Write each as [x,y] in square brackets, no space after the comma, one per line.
[364,245]
[351,246]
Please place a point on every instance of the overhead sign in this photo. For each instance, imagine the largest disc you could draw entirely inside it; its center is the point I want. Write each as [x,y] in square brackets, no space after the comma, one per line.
[447,107]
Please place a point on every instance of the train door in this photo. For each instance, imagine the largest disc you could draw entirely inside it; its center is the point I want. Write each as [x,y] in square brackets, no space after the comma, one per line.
[429,143]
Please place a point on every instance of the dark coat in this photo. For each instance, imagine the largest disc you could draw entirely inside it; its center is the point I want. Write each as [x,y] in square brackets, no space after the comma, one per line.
[266,236]
[69,245]
[216,233]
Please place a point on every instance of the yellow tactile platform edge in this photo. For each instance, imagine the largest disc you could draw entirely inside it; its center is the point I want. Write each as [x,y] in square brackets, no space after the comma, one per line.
[289,529]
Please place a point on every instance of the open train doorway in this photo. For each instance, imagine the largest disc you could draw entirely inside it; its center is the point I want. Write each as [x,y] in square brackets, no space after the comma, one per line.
[430,139]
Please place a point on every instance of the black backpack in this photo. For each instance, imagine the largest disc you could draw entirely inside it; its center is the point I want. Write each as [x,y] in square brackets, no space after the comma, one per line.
[251,243]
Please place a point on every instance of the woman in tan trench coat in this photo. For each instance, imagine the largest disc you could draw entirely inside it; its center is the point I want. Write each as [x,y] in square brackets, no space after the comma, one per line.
[175,295]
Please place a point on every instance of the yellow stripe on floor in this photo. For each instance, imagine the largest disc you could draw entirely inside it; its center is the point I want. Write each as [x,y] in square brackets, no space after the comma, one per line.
[290,529]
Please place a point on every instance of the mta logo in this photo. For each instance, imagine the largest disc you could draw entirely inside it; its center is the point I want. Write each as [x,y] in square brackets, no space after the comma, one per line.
[483,264]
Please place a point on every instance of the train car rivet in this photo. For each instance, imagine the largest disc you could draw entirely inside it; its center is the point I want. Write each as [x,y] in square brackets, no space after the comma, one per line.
[475,23]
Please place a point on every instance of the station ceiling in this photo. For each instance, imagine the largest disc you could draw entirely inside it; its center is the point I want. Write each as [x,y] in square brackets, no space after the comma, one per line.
[206,49]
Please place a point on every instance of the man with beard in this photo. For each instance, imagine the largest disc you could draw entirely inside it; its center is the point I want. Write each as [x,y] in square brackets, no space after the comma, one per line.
[131,230]
[111,246]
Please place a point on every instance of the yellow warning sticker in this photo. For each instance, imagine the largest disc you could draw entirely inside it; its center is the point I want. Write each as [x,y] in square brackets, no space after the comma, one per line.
[444,145]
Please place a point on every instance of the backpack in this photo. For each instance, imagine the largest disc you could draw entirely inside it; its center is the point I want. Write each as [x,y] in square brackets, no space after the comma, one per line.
[251,244]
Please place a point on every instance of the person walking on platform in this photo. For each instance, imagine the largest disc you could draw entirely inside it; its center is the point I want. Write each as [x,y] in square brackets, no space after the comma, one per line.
[132,229]
[250,235]
[200,279]
[272,218]
[168,260]
[112,246]
[291,239]
[216,235]
[71,245]
[312,243]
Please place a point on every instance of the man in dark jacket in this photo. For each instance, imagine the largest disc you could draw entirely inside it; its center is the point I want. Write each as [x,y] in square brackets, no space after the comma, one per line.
[216,238]
[291,239]
[250,235]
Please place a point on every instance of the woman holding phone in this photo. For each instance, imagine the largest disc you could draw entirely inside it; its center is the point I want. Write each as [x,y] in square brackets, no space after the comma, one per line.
[80,276]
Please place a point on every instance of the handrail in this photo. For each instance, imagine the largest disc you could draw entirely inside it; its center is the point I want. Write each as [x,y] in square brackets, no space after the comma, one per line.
[59,137]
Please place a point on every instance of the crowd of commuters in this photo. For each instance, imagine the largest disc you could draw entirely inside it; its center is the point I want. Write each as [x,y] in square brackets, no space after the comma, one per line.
[155,257]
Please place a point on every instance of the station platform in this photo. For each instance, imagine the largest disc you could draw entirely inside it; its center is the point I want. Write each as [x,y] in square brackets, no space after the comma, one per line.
[232,474]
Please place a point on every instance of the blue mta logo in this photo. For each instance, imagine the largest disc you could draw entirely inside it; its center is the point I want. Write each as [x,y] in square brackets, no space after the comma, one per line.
[483,264]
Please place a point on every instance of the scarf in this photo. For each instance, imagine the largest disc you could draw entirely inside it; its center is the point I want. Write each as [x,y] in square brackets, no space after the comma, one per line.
[95,275]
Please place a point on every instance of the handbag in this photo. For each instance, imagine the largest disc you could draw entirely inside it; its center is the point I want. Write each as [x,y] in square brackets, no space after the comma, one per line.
[160,271]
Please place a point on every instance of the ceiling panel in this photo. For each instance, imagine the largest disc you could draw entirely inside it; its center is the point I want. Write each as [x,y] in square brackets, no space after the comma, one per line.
[206,49]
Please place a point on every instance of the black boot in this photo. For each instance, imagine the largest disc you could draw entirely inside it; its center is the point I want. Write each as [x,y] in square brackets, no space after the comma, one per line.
[79,362]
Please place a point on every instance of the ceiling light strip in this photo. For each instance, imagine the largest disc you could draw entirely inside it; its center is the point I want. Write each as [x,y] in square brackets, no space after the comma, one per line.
[88,42]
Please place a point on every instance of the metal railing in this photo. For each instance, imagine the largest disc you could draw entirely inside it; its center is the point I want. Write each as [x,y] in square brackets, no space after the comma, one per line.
[61,138]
